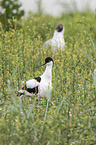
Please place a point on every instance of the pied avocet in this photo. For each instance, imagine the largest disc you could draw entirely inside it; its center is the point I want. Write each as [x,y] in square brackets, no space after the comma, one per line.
[57,42]
[41,85]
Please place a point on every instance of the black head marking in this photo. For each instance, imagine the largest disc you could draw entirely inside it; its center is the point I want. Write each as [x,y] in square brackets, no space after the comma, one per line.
[59,27]
[48,59]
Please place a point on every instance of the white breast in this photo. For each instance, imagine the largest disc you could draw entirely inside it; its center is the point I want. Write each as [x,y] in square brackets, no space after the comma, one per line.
[57,42]
[45,87]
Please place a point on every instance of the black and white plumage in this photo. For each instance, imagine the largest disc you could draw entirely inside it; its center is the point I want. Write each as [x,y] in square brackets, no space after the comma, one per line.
[41,85]
[57,42]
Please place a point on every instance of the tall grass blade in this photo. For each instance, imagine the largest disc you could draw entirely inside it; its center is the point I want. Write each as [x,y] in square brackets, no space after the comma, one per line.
[95,78]
[92,44]
[88,56]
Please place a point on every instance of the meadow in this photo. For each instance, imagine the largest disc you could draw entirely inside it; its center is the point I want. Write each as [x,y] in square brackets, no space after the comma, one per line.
[68,116]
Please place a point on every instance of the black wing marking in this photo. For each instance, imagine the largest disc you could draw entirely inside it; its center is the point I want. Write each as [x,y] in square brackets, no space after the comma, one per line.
[38,79]
[31,90]
[34,89]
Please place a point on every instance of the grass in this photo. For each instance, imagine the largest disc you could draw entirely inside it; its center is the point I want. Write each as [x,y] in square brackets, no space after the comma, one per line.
[68,117]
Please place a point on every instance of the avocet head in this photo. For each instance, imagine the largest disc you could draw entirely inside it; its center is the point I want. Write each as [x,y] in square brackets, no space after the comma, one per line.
[48,61]
[59,28]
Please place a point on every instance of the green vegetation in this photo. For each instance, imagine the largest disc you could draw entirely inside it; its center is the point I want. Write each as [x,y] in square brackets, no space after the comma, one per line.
[10,9]
[69,116]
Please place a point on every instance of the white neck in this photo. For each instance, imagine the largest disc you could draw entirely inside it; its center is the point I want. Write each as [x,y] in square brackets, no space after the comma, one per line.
[48,72]
[58,34]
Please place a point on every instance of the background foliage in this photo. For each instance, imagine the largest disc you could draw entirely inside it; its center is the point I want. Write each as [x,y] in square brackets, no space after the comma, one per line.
[69,116]
[9,10]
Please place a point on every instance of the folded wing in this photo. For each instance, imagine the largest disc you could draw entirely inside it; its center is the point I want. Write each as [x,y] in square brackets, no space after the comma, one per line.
[32,86]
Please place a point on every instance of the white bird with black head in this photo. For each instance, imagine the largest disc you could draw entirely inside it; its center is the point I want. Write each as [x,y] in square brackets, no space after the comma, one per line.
[41,85]
[57,42]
